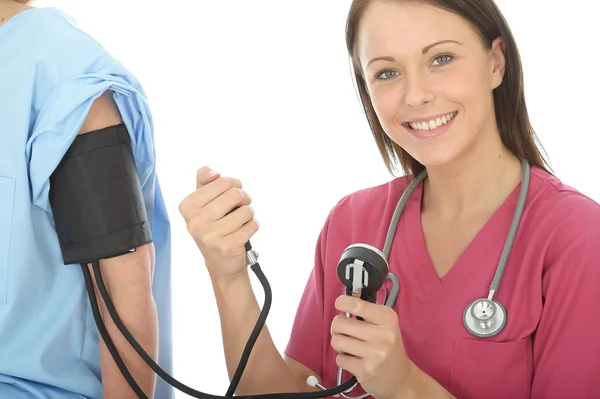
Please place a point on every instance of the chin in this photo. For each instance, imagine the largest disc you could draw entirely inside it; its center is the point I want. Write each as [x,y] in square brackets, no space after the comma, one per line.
[435,153]
[433,159]
[439,152]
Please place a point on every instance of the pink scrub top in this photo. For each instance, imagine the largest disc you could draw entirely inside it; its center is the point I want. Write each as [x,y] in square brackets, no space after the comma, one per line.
[550,346]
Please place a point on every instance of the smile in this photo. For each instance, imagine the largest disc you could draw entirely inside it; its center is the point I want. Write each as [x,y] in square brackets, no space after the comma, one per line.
[432,123]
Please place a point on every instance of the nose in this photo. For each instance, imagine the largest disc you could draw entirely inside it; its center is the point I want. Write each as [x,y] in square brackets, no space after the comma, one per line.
[418,92]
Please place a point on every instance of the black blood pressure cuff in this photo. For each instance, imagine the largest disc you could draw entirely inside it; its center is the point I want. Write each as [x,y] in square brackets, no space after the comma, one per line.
[96,198]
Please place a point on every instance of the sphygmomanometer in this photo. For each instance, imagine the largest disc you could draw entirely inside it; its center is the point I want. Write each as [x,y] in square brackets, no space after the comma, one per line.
[99,213]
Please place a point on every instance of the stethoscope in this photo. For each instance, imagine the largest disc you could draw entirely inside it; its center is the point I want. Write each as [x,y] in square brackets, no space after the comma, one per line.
[363,269]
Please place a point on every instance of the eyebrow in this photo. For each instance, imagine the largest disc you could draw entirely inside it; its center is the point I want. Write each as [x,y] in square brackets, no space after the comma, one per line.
[423,51]
[428,47]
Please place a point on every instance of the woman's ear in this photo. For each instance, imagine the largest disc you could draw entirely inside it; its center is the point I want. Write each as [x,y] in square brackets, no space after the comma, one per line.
[498,62]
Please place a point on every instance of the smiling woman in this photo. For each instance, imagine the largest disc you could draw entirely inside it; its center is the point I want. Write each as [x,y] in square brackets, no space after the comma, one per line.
[442,88]
[468,56]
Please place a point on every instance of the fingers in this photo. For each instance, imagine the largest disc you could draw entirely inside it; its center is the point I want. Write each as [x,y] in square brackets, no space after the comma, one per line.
[241,235]
[371,312]
[205,175]
[227,190]
[351,346]
[210,185]
[219,218]
[216,188]
[232,196]
[236,220]
[351,327]
[362,335]
[364,369]
[351,364]
[233,244]
[219,207]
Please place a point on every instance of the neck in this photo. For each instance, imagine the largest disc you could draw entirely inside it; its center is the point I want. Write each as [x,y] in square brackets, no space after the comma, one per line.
[6,4]
[475,185]
[10,8]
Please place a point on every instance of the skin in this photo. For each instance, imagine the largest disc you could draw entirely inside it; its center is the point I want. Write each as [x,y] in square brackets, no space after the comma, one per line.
[449,77]
[470,173]
[128,278]
[10,8]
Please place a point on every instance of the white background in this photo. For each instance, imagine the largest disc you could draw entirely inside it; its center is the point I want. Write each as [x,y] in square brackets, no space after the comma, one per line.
[261,90]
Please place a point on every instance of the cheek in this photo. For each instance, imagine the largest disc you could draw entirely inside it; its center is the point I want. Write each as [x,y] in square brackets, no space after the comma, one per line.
[467,90]
[386,103]
[460,87]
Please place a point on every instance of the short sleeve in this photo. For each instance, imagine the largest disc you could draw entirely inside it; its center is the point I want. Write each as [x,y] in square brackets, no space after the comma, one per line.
[307,340]
[566,346]
[61,116]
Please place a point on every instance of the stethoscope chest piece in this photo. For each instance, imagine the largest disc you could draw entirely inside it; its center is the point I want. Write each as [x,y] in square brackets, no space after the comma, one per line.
[363,269]
[484,317]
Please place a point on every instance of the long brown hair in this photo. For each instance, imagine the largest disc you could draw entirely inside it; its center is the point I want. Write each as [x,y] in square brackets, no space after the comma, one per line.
[512,118]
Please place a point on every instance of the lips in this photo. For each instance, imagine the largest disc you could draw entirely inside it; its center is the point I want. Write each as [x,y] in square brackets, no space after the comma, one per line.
[430,127]
[431,123]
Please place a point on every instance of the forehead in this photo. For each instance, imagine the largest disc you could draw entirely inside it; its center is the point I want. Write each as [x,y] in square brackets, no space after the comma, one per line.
[404,28]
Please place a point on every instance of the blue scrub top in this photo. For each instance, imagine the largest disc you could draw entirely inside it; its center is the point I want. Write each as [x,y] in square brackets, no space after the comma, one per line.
[50,73]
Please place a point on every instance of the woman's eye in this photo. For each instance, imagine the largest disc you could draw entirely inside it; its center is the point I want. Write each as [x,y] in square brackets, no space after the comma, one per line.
[442,59]
[388,74]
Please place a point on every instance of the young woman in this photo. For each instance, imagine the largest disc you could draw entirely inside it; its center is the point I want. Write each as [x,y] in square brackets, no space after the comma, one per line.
[57,82]
[442,87]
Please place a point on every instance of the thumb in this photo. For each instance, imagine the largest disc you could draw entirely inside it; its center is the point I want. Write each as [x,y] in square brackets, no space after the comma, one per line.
[204,176]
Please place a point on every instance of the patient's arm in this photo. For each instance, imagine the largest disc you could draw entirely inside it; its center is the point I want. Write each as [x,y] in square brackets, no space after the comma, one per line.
[128,279]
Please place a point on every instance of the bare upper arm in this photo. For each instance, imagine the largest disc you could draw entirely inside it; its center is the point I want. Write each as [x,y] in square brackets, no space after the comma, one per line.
[131,273]
[103,113]
[301,373]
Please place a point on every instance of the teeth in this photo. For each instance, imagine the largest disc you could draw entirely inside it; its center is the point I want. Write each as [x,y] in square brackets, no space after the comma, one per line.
[434,123]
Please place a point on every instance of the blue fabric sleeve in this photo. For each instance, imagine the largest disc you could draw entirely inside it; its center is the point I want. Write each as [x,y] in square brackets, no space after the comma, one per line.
[52,72]
[61,117]
[57,125]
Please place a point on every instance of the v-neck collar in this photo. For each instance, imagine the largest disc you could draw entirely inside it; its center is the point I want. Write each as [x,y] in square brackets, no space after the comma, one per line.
[493,233]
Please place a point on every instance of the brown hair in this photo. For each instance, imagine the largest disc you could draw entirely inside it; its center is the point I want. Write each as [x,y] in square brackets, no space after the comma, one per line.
[512,118]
